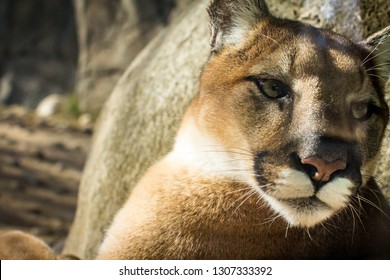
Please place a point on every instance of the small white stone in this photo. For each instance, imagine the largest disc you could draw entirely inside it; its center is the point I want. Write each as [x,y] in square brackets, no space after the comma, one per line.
[50,105]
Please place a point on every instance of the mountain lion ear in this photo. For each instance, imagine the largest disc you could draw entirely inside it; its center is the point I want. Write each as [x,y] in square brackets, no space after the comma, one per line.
[379,44]
[231,20]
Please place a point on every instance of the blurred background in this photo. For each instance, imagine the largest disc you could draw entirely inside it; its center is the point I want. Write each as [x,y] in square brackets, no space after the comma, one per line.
[67,47]
[61,60]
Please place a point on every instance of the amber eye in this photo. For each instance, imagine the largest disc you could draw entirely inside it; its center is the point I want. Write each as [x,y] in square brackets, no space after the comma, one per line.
[272,88]
[360,110]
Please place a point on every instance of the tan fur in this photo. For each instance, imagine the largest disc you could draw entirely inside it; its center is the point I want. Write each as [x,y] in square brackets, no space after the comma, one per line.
[199,218]
[17,245]
[206,199]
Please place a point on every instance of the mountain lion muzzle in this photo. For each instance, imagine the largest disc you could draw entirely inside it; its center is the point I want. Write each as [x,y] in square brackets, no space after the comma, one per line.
[275,155]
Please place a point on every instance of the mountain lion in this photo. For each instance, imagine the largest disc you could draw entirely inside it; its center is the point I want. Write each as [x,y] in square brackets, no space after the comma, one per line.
[274,156]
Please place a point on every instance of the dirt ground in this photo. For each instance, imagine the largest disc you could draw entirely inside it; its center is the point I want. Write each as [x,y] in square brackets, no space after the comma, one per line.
[41,162]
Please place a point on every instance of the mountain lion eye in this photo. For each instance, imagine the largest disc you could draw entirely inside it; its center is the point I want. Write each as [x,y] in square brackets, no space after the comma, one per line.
[360,110]
[272,88]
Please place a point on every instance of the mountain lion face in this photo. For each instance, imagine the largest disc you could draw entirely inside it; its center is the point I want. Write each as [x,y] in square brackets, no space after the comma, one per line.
[296,112]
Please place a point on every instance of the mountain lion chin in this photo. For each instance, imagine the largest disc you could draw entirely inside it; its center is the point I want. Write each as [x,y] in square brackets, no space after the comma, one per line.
[309,207]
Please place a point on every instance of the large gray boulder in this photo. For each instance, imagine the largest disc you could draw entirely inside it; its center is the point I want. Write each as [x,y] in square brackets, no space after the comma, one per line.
[111,33]
[139,121]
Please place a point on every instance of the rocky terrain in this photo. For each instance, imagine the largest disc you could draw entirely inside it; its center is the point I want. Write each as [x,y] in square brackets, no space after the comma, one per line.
[41,161]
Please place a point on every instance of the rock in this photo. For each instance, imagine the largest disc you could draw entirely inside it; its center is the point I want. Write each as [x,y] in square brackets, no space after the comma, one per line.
[382,174]
[111,34]
[138,123]
[50,105]
[354,18]
[85,122]
[13,112]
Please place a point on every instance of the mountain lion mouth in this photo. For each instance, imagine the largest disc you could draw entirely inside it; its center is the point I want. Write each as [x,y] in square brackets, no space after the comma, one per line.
[310,203]
[294,198]
[302,212]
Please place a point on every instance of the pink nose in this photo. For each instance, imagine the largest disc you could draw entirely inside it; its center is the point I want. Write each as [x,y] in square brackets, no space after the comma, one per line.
[323,168]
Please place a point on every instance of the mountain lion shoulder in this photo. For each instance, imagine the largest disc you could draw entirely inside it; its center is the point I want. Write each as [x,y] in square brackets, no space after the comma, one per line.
[275,155]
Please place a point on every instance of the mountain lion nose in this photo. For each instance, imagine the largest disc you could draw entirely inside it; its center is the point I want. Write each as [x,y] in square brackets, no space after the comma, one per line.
[323,169]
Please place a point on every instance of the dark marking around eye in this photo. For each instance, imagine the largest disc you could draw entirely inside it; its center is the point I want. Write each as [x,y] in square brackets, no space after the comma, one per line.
[363,111]
[271,88]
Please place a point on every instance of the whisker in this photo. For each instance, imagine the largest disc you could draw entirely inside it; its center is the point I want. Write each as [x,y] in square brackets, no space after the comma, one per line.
[253,192]
[371,52]
[378,66]
[375,193]
[323,224]
[355,212]
[368,58]
[244,198]
[369,202]
[308,233]
[377,76]
[332,224]
[272,39]
[359,201]
[286,233]
[224,148]
[228,173]
[263,205]
[239,190]
[270,220]
[358,214]
[227,152]
[353,222]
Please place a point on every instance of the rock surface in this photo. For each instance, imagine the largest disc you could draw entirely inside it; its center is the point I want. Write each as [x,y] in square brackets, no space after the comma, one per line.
[111,33]
[162,79]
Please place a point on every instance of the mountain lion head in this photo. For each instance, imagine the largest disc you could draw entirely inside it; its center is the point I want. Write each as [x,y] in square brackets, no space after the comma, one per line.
[296,112]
